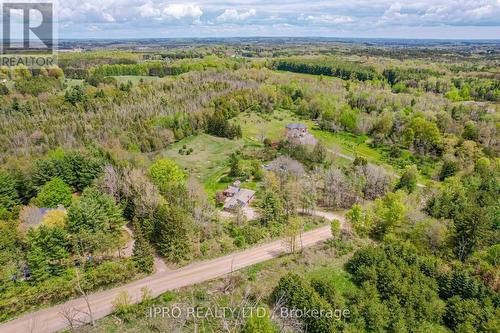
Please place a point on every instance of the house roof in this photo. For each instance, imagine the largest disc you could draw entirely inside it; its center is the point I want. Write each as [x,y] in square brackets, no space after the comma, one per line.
[296,126]
[232,189]
[240,199]
[44,210]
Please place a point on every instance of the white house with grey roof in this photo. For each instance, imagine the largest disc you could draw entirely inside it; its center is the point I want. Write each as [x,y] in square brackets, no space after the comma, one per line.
[298,133]
[237,197]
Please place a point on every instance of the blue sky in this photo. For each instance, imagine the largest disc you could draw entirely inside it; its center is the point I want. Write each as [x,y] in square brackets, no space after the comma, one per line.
[462,19]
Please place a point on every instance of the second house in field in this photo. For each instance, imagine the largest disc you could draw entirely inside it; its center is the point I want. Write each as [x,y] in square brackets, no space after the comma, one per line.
[298,134]
[237,197]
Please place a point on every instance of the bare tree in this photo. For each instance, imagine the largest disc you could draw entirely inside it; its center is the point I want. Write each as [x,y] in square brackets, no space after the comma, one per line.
[137,186]
[339,190]
[285,168]
[85,297]
[70,316]
[309,194]
[377,180]
[110,182]
[291,197]
[293,235]
[286,324]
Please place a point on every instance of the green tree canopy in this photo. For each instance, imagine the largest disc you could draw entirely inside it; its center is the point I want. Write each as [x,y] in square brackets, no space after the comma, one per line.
[77,169]
[8,193]
[259,324]
[408,180]
[426,135]
[94,212]
[48,249]
[165,171]
[388,213]
[53,193]
[173,229]
[471,202]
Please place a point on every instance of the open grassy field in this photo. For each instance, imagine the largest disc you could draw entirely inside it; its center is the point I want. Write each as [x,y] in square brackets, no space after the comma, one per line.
[257,126]
[358,145]
[208,160]
[349,144]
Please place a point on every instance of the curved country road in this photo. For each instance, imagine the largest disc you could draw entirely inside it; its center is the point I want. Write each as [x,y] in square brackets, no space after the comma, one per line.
[51,320]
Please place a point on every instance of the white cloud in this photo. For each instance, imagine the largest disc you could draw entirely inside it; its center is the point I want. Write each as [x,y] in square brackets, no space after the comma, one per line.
[161,12]
[327,19]
[428,13]
[232,15]
[149,10]
[180,11]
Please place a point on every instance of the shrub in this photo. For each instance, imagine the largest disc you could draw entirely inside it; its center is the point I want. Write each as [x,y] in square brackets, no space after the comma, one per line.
[75,95]
[449,168]
[35,85]
[4,90]
[408,180]
[122,303]
[259,324]
[109,273]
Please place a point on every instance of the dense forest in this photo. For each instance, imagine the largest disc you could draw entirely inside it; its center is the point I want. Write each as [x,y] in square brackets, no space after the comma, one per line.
[115,160]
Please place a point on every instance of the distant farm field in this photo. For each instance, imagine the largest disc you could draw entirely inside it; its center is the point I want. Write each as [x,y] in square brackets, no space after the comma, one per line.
[136,79]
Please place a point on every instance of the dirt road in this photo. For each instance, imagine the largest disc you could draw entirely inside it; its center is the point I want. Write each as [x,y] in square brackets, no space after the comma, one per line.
[51,319]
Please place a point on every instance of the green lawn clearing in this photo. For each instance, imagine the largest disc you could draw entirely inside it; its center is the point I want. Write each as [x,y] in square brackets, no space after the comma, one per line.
[257,126]
[208,160]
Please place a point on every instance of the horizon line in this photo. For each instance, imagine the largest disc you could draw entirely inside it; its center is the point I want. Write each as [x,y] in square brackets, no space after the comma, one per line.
[283,37]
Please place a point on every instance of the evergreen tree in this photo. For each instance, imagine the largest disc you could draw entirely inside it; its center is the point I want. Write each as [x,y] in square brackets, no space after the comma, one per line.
[272,209]
[95,222]
[8,193]
[38,265]
[234,164]
[53,193]
[173,229]
[449,168]
[143,254]
[48,251]
[95,211]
